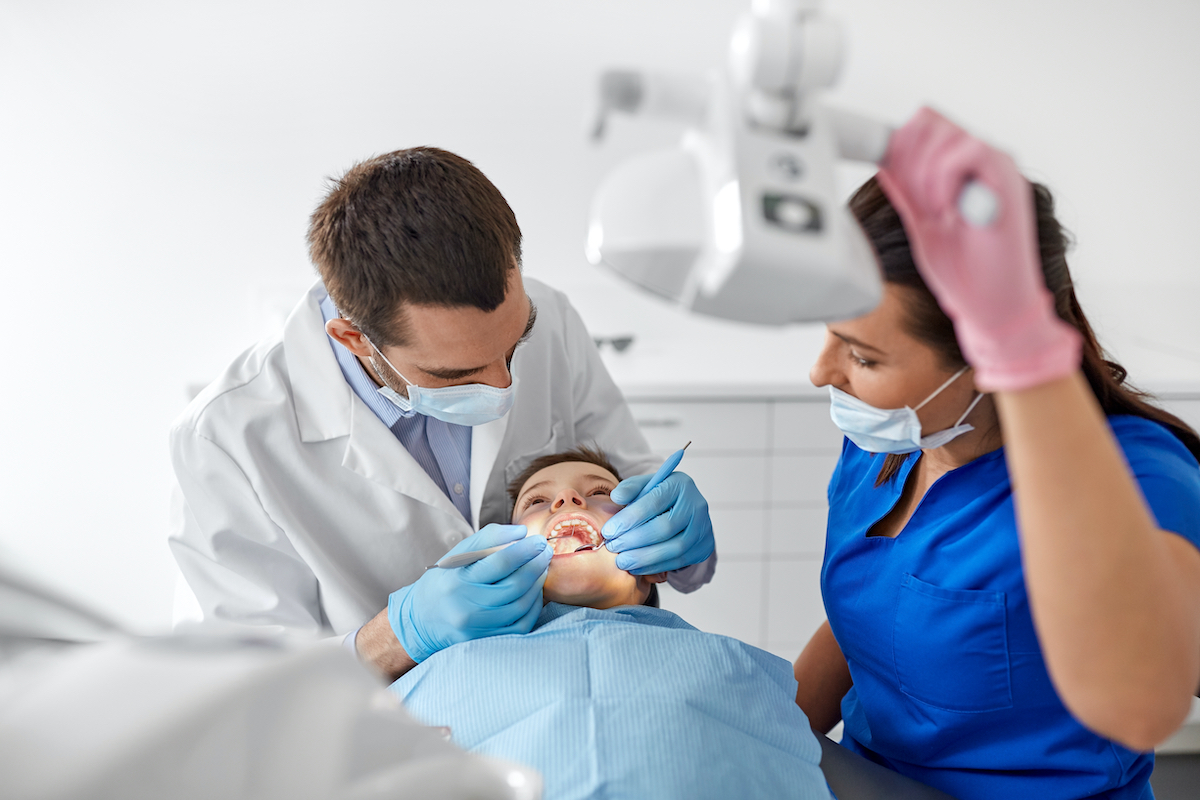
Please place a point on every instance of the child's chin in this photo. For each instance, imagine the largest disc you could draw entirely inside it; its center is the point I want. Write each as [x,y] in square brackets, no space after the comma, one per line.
[580,589]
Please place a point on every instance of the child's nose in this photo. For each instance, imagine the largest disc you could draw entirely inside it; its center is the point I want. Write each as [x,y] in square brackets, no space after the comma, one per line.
[568,496]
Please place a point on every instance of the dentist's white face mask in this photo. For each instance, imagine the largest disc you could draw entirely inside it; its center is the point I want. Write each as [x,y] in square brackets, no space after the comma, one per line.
[469,404]
[896,430]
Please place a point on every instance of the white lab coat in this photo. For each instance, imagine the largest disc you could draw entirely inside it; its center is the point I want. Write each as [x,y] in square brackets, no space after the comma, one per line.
[296,507]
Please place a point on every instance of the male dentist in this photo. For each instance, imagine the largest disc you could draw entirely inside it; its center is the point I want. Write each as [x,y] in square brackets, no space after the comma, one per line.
[330,465]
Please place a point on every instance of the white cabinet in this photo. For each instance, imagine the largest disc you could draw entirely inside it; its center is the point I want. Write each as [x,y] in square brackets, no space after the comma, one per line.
[712,426]
[764,464]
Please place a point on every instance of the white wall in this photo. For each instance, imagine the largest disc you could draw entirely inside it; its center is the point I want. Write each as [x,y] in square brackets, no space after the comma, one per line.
[158,162]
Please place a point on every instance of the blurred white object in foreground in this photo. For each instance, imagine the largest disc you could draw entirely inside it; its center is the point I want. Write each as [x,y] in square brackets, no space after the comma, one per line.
[183,717]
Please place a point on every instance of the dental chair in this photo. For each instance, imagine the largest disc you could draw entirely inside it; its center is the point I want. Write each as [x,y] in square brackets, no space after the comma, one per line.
[852,777]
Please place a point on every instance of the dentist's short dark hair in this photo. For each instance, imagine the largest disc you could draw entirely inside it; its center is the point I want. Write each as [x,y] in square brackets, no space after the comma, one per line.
[420,226]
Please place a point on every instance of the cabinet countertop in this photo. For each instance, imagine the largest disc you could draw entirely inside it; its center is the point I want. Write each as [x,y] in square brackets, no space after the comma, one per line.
[804,392]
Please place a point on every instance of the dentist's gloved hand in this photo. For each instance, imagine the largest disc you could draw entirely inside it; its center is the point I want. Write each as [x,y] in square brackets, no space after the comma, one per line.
[987,279]
[498,594]
[666,530]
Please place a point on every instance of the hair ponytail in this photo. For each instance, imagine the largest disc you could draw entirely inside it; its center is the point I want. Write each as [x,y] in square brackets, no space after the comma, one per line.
[929,324]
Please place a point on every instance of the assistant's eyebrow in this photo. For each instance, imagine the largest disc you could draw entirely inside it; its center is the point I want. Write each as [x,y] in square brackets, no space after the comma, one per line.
[857,343]
[455,374]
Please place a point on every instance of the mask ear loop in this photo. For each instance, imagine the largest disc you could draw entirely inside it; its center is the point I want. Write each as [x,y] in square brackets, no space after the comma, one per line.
[953,378]
[936,391]
[378,371]
[970,408]
[374,366]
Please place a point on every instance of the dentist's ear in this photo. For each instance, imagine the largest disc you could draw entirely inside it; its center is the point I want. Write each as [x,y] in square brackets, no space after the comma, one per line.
[349,337]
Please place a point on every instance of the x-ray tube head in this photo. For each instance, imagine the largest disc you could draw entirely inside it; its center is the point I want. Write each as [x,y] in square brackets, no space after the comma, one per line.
[727,218]
[742,226]
[595,241]
[741,221]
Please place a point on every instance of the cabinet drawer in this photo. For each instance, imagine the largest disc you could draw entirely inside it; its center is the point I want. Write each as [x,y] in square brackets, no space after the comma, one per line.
[711,427]
[801,481]
[804,426]
[740,532]
[729,480]
[797,532]
[794,607]
[731,605]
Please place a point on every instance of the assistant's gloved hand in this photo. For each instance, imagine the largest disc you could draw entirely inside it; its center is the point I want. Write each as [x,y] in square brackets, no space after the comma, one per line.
[988,279]
[498,594]
[667,529]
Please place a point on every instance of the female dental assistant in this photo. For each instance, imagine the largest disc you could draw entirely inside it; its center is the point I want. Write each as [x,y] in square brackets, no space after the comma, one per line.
[1013,591]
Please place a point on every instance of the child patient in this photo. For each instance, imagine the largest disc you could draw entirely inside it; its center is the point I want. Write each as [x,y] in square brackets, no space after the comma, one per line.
[565,497]
[608,697]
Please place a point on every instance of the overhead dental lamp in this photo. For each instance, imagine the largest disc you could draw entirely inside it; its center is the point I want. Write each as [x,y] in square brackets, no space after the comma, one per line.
[741,220]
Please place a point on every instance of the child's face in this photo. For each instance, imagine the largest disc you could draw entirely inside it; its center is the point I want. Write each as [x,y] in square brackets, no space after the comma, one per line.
[568,503]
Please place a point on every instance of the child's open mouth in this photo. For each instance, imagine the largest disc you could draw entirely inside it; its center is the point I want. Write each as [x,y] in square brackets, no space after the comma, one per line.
[574,535]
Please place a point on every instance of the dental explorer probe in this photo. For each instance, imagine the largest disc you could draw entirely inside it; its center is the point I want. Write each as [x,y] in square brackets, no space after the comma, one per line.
[471,556]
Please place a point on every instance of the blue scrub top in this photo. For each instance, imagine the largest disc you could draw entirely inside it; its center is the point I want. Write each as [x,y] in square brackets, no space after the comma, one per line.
[950,687]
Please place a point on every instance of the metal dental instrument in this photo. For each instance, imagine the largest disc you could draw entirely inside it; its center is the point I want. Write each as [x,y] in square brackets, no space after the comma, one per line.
[470,557]
[666,469]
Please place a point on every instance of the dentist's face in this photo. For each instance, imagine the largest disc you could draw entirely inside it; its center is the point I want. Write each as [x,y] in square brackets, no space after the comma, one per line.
[569,503]
[448,345]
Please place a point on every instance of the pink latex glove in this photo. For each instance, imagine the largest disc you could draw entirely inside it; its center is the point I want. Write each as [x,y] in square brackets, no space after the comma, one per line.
[987,279]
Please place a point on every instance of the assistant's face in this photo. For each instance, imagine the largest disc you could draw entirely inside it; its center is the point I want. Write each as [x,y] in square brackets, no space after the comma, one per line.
[874,358]
[569,503]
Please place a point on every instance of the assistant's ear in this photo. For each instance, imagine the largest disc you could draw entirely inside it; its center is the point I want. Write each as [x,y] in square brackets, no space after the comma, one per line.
[349,337]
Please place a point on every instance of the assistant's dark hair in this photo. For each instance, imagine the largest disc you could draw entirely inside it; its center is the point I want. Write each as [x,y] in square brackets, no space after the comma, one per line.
[929,324]
[581,453]
[421,226]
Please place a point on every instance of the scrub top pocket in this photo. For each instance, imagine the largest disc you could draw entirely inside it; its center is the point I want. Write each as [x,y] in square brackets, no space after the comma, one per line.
[950,647]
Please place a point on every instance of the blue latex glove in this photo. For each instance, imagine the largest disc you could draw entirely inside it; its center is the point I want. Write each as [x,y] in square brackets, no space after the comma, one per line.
[498,594]
[667,529]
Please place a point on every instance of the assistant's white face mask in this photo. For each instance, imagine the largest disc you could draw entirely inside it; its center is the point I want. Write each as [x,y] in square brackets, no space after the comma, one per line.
[896,430]
[469,404]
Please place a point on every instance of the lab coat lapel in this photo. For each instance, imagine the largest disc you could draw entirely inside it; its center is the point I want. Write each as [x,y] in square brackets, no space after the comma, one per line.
[374,452]
[320,393]
[326,408]
[486,440]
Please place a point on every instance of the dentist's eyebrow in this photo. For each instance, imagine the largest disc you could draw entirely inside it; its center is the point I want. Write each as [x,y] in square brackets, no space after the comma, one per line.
[528,325]
[856,342]
[455,374]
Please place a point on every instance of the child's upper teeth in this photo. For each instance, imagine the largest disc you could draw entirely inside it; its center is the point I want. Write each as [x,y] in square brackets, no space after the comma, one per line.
[575,523]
